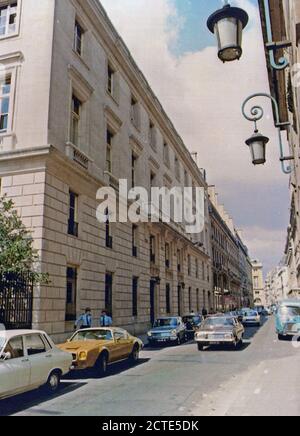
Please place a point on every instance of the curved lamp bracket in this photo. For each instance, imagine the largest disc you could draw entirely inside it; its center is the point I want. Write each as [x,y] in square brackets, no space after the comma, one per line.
[272,46]
[257,113]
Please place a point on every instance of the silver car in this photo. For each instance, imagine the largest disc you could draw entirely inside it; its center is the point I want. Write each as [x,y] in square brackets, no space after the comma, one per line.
[220,330]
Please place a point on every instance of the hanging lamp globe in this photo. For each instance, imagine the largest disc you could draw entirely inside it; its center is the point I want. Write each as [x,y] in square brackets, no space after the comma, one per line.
[228,24]
[257,144]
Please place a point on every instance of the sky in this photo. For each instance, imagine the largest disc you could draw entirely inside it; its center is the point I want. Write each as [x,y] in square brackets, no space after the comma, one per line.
[202,96]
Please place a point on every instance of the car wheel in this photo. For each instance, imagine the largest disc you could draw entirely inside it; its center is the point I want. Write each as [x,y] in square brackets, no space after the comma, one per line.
[102,364]
[135,355]
[200,347]
[53,382]
[281,337]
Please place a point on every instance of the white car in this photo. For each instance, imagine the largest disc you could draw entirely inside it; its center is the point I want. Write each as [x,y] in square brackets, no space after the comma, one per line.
[28,360]
[251,317]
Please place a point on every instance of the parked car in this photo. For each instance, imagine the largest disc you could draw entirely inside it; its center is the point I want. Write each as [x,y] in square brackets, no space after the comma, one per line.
[220,330]
[288,319]
[168,330]
[192,323]
[251,318]
[28,360]
[97,348]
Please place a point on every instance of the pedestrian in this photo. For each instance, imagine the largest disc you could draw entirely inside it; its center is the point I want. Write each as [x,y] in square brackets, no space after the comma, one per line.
[105,319]
[85,320]
[204,313]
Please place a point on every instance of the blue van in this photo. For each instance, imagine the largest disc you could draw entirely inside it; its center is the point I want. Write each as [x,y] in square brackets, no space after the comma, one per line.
[288,319]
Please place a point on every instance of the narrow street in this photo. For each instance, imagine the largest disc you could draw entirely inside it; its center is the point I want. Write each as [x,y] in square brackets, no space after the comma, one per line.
[263,378]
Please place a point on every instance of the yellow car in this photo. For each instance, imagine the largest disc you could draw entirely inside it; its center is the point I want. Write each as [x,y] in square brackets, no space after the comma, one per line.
[99,347]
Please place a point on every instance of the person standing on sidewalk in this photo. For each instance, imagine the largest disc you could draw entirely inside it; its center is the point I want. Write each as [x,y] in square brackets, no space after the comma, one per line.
[85,320]
[105,319]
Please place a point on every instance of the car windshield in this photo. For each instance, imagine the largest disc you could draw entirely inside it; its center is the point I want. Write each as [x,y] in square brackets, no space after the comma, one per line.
[251,313]
[166,322]
[291,311]
[92,335]
[219,322]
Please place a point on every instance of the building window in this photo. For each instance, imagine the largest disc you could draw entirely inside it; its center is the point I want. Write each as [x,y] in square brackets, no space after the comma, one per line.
[75,120]
[166,154]
[186,179]
[203,271]
[110,79]
[71,294]
[189,265]
[133,169]
[78,38]
[197,269]
[135,284]
[135,112]
[109,293]
[8,18]
[177,168]
[168,262]
[152,135]
[5,93]
[108,237]
[152,249]
[109,145]
[190,300]
[73,214]
[152,180]
[134,241]
[168,298]
[179,261]
[198,300]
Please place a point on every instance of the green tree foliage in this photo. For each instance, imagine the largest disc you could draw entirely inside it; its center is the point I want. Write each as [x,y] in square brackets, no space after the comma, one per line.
[17,254]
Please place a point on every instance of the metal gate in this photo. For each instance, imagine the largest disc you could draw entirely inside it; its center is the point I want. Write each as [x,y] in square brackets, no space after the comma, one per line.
[16,301]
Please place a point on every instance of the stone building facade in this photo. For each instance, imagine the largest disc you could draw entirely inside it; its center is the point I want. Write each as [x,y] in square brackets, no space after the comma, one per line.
[80,115]
[232,273]
[284,85]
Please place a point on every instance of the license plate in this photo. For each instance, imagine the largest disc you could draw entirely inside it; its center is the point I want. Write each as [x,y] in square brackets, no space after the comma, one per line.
[214,343]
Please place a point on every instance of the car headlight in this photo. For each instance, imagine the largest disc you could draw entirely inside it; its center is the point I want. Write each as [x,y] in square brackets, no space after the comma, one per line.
[174,332]
[149,334]
[201,335]
[229,336]
[82,356]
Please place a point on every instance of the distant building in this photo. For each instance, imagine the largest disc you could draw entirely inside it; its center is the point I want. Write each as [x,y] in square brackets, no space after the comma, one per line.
[277,285]
[232,270]
[258,284]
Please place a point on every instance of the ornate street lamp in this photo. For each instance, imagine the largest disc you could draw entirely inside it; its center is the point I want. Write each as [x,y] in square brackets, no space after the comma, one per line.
[257,143]
[228,24]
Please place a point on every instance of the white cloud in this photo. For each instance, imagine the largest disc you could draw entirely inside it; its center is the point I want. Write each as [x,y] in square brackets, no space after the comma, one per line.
[202,96]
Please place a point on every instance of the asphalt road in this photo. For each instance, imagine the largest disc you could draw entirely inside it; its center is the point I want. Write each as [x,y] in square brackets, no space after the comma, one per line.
[261,379]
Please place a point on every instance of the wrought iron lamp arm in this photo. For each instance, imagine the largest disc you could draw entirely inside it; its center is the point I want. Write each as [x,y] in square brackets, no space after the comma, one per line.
[257,113]
[272,46]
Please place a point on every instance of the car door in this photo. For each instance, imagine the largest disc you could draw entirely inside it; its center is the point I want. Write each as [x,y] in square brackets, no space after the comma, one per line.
[14,372]
[40,356]
[123,344]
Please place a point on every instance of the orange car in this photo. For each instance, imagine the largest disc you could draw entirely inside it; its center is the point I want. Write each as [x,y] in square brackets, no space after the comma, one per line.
[99,347]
